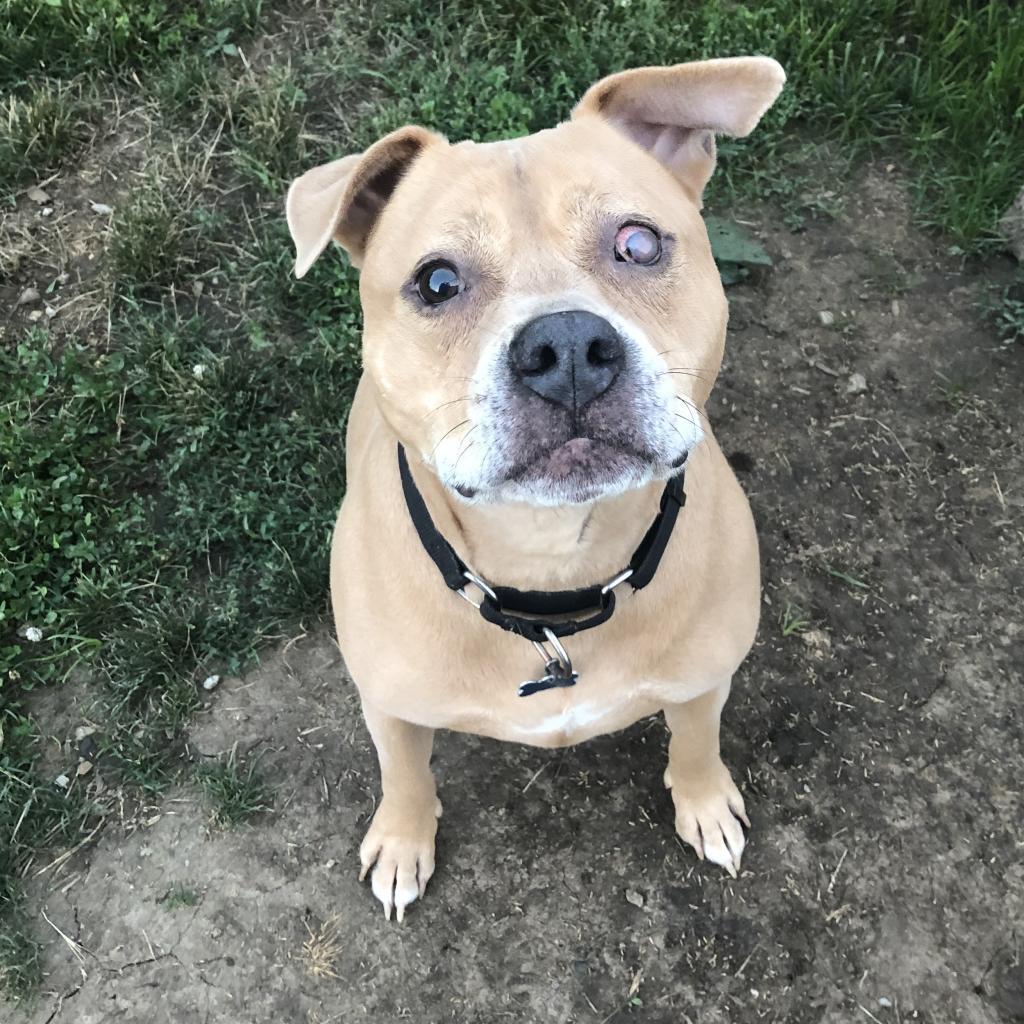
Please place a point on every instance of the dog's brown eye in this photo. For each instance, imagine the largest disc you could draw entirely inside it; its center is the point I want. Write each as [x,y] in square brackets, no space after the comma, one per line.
[437,282]
[636,243]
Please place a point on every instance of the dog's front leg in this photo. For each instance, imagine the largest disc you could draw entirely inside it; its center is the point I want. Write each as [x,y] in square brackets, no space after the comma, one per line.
[399,845]
[706,799]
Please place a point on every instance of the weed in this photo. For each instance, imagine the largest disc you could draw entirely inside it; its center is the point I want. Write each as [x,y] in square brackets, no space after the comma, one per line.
[180,895]
[1007,313]
[793,620]
[956,393]
[235,790]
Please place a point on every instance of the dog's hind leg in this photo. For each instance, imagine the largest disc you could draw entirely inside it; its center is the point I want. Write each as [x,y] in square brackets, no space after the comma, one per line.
[399,845]
[707,801]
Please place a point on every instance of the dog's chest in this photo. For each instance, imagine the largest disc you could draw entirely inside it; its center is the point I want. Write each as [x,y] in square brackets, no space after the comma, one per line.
[556,718]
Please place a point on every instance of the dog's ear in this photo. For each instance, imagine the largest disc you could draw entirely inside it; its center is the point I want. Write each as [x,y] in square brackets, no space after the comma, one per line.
[674,112]
[342,199]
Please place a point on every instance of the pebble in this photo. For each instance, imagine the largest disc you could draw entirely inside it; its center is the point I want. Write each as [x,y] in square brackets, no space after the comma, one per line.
[84,767]
[885,1002]
[29,297]
[33,634]
[62,781]
[50,312]
[210,682]
[101,208]
[46,211]
[82,731]
[827,319]
[857,384]
[37,195]
[632,896]
[36,314]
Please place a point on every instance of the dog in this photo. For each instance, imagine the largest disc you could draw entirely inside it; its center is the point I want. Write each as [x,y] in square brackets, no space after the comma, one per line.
[543,324]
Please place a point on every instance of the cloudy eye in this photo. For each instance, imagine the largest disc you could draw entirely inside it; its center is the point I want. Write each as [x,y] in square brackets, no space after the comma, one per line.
[437,282]
[637,243]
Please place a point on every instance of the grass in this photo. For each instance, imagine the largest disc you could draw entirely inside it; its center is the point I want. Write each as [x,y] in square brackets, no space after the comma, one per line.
[172,463]
[235,789]
[793,620]
[180,895]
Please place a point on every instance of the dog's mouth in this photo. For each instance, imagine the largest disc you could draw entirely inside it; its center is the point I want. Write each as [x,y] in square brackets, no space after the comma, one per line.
[579,459]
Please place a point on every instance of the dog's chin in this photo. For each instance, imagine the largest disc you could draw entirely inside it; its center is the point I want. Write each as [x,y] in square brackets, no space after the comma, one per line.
[577,472]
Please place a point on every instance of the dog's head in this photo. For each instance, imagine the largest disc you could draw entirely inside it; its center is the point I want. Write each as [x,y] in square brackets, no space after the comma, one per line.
[543,316]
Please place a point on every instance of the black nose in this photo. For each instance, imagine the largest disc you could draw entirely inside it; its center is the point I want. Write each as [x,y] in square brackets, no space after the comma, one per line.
[568,358]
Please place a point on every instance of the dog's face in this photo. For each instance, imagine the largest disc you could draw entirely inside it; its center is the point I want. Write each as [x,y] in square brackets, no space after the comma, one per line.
[543,316]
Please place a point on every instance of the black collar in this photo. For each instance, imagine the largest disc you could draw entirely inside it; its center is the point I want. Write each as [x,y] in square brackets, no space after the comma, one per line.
[528,612]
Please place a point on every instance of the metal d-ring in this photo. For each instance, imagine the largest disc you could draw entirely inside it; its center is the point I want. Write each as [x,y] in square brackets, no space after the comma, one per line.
[616,580]
[561,655]
[472,577]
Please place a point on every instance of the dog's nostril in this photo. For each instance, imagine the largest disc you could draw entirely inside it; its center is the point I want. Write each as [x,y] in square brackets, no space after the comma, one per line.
[540,360]
[600,352]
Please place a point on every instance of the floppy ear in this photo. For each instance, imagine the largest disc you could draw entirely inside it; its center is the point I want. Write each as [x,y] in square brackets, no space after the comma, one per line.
[674,112]
[342,199]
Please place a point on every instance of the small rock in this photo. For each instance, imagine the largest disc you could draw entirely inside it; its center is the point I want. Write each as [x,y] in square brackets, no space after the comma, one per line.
[197,288]
[857,384]
[33,634]
[46,211]
[84,730]
[818,640]
[63,277]
[634,897]
[62,781]
[210,682]
[198,370]
[84,767]
[50,312]
[29,297]
[826,318]
[36,314]
[102,209]
[1012,225]
[885,1002]
[37,195]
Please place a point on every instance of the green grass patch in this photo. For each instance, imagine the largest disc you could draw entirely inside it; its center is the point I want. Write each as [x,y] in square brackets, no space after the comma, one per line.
[180,895]
[65,37]
[167,492]
[41,127]
[235,790]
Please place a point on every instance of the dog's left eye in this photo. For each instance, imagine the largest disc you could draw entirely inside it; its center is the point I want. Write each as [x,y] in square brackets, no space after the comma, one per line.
[637,243]
[437,282]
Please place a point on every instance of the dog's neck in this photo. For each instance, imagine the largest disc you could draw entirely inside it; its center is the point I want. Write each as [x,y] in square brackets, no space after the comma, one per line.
[536,548]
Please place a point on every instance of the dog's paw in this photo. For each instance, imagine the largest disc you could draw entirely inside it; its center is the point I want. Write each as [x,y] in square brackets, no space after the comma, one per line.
[399,847]
[707,810]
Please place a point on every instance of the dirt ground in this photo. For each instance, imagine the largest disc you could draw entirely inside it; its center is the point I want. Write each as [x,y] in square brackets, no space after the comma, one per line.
[879,748]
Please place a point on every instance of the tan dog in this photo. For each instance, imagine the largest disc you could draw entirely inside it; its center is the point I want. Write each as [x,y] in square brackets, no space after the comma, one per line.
[543,325]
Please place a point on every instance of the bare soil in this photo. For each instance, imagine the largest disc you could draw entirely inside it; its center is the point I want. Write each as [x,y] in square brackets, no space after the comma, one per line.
[879,746]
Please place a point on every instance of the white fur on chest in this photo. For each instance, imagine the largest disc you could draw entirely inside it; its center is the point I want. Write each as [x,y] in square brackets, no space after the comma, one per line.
[581,717]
